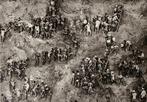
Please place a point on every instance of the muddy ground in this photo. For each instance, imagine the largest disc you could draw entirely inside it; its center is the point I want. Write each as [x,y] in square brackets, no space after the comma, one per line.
[59,75]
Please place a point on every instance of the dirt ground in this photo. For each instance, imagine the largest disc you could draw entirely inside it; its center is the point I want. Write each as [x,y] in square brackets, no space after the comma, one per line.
[59,75]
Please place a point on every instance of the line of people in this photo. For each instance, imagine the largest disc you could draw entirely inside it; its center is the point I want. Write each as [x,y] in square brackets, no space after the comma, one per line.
[56,54]
[18,68]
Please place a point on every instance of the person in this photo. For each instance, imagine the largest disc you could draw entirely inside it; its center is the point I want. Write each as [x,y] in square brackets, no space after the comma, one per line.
[97,25]
[77,83]
[134,96]
[73,78]
[140,57]
[105,27]
[18,93]
[12,85]
[75,44]
[47,89]
[37,31]
[43,57]
[110,40]
[2,33]
[26,88]
[85,22]
[120,78]
[90,89]
[52,3]
[123,45]
[37,58]
[143,95]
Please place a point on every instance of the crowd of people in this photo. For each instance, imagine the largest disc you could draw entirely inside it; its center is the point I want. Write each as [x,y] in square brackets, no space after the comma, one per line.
[94,72]
[105,23]
[40,27]
[130,65]
[14,68]
[43,28]
[17,68]
[30,88]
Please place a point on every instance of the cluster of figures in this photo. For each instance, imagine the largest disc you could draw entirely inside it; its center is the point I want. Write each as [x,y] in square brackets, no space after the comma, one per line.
[14,69]
[29,88]
[56,54]
[93,72]
[131,65]
[96,71]
[51,23]
[105,23]
[18,68]
[39,27]
[70,37]
[139,94]
[54,21]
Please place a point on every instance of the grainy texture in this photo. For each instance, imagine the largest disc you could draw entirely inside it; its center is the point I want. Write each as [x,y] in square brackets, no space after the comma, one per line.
[58,75]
